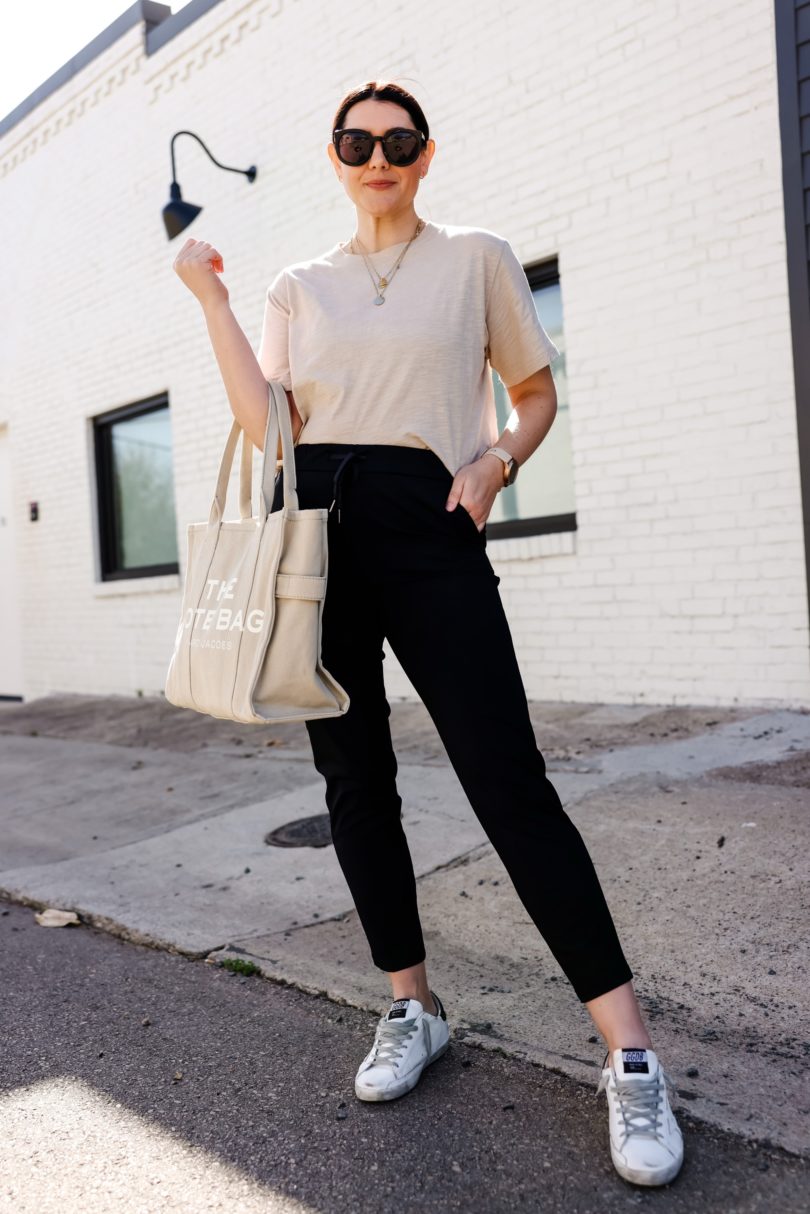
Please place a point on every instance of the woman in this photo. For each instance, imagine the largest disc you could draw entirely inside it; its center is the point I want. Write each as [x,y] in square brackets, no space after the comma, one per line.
[384,345]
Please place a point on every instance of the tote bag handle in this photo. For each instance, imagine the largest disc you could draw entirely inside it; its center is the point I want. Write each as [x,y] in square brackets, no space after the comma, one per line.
[278,419]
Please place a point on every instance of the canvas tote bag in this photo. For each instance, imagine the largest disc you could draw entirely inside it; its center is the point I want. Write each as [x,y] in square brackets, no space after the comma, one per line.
[248,645]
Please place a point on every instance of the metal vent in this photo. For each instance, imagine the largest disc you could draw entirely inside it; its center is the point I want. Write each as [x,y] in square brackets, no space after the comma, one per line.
[302,832]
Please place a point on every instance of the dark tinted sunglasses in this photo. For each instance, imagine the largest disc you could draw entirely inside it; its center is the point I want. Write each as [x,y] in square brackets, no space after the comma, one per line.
[401,145]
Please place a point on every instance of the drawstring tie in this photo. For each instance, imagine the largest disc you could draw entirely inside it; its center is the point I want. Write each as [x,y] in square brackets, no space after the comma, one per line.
[338,479]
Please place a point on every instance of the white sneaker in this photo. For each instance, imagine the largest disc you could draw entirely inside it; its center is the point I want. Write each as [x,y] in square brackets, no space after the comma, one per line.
[407,1039]
[646,1143]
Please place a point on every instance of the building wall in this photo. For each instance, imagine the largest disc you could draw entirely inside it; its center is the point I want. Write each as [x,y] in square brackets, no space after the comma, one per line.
[638,142]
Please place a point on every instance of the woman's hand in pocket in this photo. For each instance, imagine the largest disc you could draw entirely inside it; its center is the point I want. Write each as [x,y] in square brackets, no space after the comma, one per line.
[198,265]
[475,487]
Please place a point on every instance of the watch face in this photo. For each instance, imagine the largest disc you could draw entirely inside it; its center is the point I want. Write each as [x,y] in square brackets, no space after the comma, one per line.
[513,471]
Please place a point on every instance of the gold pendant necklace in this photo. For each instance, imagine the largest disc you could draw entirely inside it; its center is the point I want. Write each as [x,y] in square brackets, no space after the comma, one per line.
[382,282]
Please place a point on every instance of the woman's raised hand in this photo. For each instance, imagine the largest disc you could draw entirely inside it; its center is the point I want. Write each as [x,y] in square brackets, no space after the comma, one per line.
[199,265]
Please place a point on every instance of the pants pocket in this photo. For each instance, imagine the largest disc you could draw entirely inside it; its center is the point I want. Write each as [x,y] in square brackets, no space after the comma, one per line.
[460,517]
[470,523]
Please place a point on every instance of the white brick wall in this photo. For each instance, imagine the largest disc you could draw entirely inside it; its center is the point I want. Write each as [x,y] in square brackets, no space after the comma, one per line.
[637,141]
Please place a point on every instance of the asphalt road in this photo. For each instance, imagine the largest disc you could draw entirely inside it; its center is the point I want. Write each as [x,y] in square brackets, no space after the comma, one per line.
[137,1080]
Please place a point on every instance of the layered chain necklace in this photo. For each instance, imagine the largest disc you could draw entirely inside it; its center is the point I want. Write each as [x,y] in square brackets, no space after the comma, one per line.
[381,283]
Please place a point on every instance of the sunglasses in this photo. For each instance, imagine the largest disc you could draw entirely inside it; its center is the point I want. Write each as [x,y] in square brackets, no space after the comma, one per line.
[401,145]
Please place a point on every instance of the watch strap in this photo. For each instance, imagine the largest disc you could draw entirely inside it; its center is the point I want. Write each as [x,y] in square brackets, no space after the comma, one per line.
[506,457]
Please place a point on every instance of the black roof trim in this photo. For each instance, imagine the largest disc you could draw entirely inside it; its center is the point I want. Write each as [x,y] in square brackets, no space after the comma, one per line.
[158,34]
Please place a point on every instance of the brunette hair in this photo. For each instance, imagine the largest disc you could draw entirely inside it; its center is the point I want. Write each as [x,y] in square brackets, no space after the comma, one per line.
[383,90]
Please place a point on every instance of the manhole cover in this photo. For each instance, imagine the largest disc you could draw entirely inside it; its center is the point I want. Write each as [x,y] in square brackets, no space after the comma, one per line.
[303,832]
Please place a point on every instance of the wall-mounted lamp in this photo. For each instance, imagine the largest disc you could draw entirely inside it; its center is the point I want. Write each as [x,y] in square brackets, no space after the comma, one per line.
[177,215]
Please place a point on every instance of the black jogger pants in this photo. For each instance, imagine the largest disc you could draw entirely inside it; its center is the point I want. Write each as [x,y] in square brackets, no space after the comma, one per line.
[402,567]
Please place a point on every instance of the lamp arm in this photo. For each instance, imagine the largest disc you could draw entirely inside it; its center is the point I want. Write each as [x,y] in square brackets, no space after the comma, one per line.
[249,173]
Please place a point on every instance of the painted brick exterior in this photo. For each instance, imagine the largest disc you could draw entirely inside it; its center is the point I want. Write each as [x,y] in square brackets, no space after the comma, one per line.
[638,142]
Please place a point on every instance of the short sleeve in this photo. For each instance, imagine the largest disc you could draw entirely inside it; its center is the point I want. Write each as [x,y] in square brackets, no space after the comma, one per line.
[274,347]
[518,345]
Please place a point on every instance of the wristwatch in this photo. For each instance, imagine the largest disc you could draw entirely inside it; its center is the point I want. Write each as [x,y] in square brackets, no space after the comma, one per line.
[510,464]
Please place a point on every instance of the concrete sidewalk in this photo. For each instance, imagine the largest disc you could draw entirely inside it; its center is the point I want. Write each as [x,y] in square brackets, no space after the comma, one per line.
[150,821]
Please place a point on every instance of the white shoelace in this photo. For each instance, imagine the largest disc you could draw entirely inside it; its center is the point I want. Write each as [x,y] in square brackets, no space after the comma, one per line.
[389,1040]
[640,1102]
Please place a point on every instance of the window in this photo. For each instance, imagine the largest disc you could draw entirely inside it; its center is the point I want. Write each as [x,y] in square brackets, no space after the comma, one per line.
[137,525]
[542,497]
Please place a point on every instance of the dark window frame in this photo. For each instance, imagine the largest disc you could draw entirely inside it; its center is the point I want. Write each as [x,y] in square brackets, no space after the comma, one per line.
[792,41]
[109,557]
[540,274]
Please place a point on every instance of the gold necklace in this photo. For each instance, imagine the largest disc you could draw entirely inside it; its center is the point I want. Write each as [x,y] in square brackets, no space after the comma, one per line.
[382,282]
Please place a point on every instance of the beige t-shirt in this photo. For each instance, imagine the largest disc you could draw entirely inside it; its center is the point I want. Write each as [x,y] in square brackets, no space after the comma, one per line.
[414,371]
